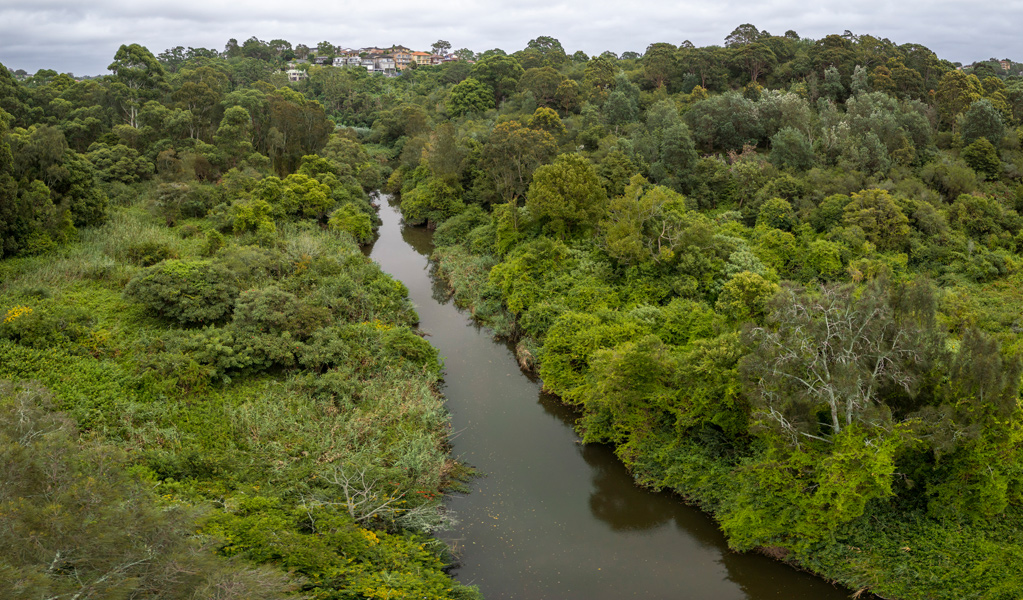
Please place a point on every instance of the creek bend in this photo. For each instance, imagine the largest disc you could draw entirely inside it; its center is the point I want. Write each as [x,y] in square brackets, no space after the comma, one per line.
[552,518]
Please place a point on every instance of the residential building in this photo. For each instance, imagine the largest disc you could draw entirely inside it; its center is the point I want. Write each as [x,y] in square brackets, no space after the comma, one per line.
[384,64]
[421,58]
[296,75]
[348,61]
[402,59]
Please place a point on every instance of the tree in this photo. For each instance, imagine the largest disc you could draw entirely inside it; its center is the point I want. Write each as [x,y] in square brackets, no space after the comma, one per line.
[982,120]
[470,96]
[138,76]
[234,136]
[543,83]
[548,49]
[511,155]
[547,120]
[200,93]
[432,201]
[441,47]
[982,157]
[743,35]
[745,296]
[324,48]
[567,196]
[620,108]
[791,149]
[876,212]
[599,77]
[825,358]
[659,64]
[501,73]
[568,96]
[257,49]
[726,122]
[640,225]
[956,92]
[754,57]
[706,64]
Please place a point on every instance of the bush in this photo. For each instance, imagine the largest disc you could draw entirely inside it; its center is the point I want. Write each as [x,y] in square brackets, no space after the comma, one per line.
[982,157]
[146,254]
[189,292]
[42,328]
[351,220]
[273,311]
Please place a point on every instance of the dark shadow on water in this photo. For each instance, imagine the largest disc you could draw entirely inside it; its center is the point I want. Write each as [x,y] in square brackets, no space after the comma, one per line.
[616,500]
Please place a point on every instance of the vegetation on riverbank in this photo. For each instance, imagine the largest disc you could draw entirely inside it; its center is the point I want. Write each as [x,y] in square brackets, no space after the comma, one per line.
[208,389]
[790,299]
[781,276]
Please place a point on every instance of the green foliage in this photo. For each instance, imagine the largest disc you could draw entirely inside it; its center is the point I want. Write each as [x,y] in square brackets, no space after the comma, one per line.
[352,221]
[500,73]
[547,120]
[470,96]
[432,201]
[45,327]
[77,522]
[777,213]
[982,120]
[566,196]
[745,296]
[119,163]
[632,307]
[982,157]
[186,291]
[881,219]
[790,149]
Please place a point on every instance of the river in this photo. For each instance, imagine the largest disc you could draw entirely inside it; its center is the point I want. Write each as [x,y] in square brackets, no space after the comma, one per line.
[552,518]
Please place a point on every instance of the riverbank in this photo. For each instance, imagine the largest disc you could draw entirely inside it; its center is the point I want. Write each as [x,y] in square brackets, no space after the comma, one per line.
[300,427]
[895,549]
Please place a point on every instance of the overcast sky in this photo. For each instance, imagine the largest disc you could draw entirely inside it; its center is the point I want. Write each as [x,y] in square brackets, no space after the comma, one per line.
[81,36]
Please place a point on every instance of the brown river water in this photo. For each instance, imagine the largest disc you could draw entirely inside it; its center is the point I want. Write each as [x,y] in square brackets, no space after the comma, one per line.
[551,518]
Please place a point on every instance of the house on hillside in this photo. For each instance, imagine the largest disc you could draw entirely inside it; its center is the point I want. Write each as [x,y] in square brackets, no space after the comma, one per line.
[296,75]
[402,59]
[1006,64]
[422,58]
[385,64]
[347,61]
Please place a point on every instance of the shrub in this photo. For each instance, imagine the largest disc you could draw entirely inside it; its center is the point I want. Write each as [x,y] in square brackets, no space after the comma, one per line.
[148,253]
[189,292]
[273,311]
[44,328]
[351,220]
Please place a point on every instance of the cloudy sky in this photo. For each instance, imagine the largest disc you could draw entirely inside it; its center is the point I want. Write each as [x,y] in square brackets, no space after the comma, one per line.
[81,36]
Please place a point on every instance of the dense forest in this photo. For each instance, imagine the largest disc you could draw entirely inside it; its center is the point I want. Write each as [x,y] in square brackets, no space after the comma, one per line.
[781,276]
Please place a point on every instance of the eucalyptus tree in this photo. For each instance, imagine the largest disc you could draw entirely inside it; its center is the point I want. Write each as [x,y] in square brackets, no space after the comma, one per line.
[138,76]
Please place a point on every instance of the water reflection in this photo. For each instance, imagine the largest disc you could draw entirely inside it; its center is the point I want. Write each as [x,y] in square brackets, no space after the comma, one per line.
[622,507]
